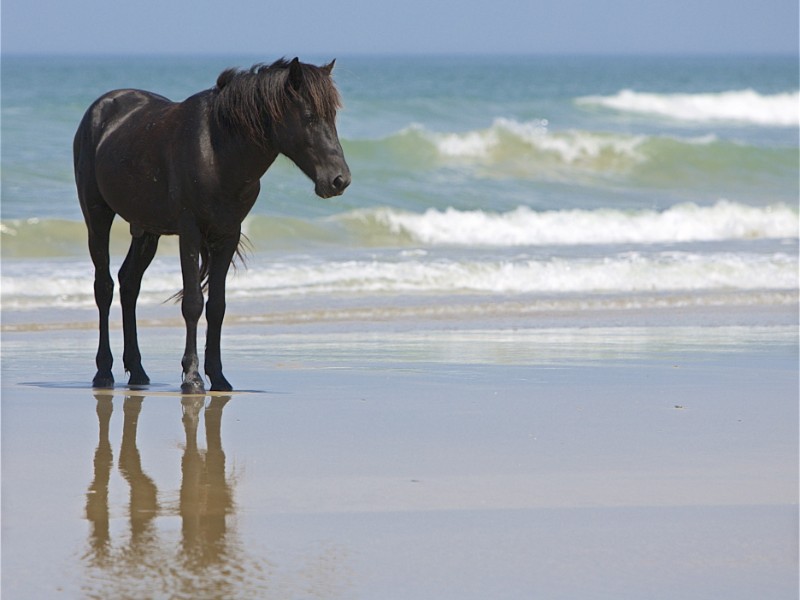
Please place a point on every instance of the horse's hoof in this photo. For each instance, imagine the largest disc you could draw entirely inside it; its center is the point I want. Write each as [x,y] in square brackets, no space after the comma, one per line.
[223,386]
[139,378]
[192,390]
[103,381]
[193,386]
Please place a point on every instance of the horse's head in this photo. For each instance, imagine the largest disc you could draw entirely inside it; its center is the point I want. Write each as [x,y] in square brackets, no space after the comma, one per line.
[306,131]
[287,107]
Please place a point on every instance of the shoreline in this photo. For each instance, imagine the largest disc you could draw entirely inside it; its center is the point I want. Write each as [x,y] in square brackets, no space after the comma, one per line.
[758,307]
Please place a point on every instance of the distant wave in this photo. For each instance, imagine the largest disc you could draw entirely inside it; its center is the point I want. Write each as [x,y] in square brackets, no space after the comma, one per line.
[506,135]
[526,227]
[511,142]
[531,150]
[742,106]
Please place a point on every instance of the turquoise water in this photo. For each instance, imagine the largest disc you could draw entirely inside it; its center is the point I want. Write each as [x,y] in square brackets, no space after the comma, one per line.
[506,177]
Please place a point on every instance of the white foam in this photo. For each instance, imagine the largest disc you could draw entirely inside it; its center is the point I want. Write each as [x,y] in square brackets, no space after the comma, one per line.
[743,106]
[525,227]
[68,282]
[628,272]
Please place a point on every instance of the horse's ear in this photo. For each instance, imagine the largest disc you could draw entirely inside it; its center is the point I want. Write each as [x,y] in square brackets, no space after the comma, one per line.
[328,69]
[295,74]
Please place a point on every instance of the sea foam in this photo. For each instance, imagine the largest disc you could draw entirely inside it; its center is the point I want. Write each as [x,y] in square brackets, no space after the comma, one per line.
[742,106]
[526,227]
[622,272]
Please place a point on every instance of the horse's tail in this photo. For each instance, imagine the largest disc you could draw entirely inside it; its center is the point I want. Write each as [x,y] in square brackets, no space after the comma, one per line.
[205,267]
[204,270]
[240,258]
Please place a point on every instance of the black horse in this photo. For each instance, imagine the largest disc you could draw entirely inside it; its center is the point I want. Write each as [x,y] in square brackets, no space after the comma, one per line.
[192,169]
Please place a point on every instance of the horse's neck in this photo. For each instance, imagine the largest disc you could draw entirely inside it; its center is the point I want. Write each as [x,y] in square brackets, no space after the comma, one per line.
[240,158]
[232,153]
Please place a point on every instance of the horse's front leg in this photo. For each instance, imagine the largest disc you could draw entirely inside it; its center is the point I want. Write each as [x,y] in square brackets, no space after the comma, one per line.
[191,304]
[222,252]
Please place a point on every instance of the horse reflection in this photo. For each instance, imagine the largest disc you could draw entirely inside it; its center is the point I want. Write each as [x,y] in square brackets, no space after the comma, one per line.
[205,499]
[97,496]
[144,495]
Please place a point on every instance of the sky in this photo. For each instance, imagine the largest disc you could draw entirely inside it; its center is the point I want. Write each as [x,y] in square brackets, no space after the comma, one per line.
[353,27]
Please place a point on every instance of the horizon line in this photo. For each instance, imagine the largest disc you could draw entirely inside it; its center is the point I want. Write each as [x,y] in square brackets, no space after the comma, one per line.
[406,54]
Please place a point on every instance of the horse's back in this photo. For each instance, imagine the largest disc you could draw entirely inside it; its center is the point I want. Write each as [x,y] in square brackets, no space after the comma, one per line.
[111,110]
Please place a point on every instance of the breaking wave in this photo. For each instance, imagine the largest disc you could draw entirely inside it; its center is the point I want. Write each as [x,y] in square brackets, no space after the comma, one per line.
[740,106]
[388,227]
[526,227]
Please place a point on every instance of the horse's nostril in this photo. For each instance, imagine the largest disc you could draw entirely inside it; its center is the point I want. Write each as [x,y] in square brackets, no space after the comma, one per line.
[340,182]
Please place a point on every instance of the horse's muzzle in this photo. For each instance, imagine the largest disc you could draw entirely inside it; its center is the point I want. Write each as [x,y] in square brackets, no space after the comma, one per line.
[335,187]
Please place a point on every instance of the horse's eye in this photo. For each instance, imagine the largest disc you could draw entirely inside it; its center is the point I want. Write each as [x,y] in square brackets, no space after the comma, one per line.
[310,118]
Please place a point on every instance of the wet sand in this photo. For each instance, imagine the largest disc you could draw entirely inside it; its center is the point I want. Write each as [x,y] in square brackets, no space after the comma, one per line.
[445,462]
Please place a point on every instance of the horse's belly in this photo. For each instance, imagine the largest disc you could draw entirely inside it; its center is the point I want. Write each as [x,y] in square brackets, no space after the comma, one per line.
[142,203]
[137,191]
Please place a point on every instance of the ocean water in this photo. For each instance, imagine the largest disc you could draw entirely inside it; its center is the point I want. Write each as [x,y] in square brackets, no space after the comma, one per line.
[477,181]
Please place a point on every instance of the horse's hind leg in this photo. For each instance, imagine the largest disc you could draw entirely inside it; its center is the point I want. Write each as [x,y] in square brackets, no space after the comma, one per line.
[98,221]
[140,255]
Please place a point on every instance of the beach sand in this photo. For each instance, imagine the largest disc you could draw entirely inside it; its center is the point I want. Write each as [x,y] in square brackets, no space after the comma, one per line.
[642,459]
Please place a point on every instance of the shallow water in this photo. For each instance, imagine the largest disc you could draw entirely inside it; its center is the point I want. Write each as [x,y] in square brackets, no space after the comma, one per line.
[600,463]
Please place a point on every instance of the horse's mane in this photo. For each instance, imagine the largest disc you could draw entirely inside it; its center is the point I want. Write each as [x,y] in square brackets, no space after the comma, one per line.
[248,99]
